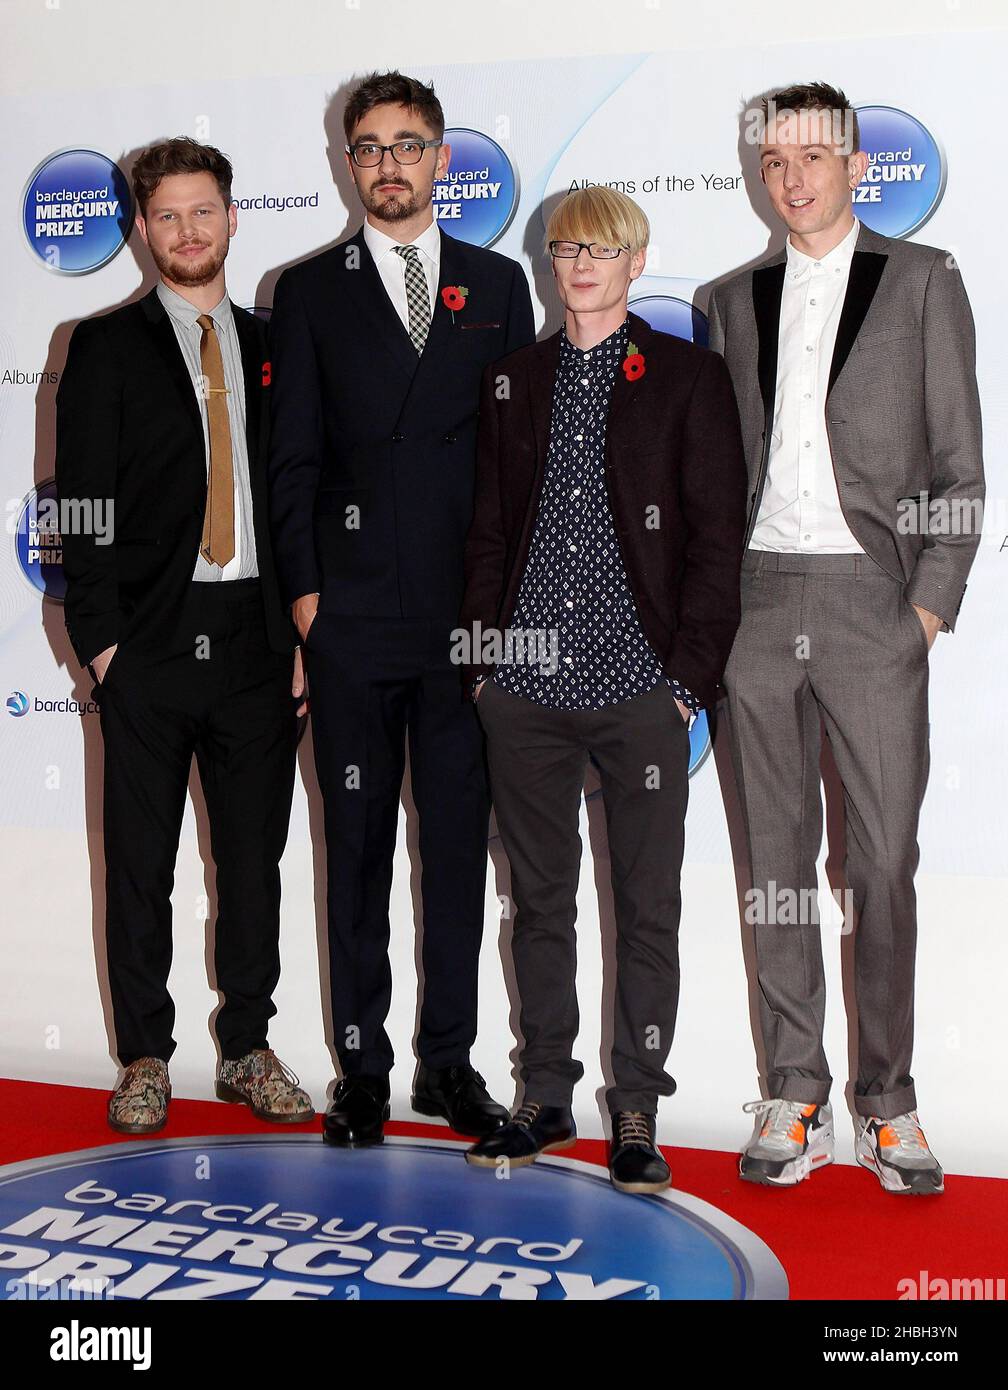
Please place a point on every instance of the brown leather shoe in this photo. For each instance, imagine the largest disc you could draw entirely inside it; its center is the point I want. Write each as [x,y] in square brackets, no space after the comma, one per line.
[139,1104]
[270,1090]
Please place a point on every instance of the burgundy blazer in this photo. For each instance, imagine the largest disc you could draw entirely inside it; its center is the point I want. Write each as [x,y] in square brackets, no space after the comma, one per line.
[676,476]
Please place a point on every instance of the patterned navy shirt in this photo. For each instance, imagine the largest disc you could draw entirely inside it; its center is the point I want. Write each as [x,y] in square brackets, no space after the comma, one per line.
[577,642]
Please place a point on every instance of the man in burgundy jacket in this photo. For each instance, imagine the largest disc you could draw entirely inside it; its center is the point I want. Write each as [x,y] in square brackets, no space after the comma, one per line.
[602,598]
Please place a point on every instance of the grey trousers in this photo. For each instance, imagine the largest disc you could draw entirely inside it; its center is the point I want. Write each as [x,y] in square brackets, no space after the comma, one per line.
[831,637]
[537,759]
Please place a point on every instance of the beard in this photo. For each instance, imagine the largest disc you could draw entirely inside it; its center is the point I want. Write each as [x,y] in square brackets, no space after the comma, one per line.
[394,207]
[191,273]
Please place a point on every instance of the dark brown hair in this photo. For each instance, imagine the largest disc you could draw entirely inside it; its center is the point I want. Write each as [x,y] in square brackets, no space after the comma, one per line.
[380,88]
[182,155]
[817,96]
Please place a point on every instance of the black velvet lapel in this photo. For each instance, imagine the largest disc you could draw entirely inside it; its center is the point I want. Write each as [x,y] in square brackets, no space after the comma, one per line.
[767,288]
[865,274]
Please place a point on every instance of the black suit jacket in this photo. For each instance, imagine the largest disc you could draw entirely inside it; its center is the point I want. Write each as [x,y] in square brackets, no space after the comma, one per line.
[673,442]
[128,428]
[373,448]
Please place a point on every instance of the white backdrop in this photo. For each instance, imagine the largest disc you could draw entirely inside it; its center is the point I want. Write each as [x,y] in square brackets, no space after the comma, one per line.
[591,91]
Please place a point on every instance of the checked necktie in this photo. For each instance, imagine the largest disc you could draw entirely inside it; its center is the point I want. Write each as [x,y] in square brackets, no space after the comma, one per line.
[218,542]
[417,296]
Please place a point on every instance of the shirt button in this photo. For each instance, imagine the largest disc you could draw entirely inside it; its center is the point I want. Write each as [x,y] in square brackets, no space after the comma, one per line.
[811,301]
[569,603]
[808,444]
[584,381]
[806,493]
[808,537]
[568,661]
[586,356]
[576,492]
[808,347]
[808,395]
[572,546]
[579,437]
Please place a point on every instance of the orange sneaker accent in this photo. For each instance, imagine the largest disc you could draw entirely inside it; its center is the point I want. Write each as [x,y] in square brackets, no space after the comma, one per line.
[888,1138]
[809,1110]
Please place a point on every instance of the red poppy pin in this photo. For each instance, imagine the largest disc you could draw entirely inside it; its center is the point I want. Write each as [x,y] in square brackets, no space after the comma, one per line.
[267,376]
[633,363]
[454,297]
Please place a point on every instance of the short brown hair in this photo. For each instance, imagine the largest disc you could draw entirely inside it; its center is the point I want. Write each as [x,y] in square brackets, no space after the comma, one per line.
[181,155]
[384,88]
[817,96]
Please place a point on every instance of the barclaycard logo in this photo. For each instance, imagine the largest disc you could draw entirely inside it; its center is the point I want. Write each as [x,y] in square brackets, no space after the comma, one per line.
[287,1218]
[906,174]
[76,211]
[37,542]
[17,703]
[478,197]
[666,313]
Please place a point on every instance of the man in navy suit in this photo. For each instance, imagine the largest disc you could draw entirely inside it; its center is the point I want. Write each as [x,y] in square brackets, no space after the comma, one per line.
[378,347]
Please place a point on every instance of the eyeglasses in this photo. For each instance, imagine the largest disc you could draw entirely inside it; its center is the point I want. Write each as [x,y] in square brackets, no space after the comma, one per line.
[367,155]
[570,250]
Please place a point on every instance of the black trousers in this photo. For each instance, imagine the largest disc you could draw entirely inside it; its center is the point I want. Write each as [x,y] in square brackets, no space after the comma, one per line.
[538,758]
[374,684]
[216,689]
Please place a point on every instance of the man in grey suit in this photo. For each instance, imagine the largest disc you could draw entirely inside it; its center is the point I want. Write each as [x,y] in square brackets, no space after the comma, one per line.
[853,361]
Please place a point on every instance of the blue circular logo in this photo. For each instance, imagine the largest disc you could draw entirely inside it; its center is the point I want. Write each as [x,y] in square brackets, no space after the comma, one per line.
[77,211]
[479,196]
[37,542]
[667,314]
[699,742]
[906,172]
[17,703]
[286,1217]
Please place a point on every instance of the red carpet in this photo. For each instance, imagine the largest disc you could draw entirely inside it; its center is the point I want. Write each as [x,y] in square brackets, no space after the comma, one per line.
[837,1235]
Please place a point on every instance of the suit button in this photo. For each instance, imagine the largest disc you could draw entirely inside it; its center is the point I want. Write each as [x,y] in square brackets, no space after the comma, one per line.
[397,438]
[449,439]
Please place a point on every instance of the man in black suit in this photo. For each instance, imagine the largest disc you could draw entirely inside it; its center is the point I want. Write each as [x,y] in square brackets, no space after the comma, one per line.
[378,349]
[162,423]
[602,575]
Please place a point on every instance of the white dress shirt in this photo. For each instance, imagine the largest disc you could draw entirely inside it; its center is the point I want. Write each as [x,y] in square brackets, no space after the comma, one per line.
[800,507]
[392,267]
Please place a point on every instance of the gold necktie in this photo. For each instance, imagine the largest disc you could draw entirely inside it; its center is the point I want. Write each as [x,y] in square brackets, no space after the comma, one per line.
[218,543]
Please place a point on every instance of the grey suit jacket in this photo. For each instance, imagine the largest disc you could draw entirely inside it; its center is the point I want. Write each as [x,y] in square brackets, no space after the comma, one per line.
[902,408]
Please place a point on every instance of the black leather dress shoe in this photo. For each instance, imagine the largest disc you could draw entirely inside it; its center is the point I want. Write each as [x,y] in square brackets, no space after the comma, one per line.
[357,1114]
[459,1095]
[534,1130]
[635,1162]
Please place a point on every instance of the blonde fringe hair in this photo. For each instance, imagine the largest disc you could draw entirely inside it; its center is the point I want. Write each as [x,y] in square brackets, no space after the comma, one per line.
[599,214]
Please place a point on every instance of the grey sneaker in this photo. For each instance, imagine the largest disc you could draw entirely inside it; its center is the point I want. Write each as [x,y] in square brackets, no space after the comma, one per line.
[792,1140]
[139,1104]
[270,1090]
[897,1153]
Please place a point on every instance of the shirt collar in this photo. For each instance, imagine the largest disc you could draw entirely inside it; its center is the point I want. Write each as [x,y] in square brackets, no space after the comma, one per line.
[186,314]
[428,243]
[799,265]
[615,339]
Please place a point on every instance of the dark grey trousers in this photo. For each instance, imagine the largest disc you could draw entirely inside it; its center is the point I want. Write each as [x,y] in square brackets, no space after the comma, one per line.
[537,759]
[831,637]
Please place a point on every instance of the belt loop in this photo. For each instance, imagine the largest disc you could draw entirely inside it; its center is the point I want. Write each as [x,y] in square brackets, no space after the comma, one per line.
[857,566]
[760,560]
